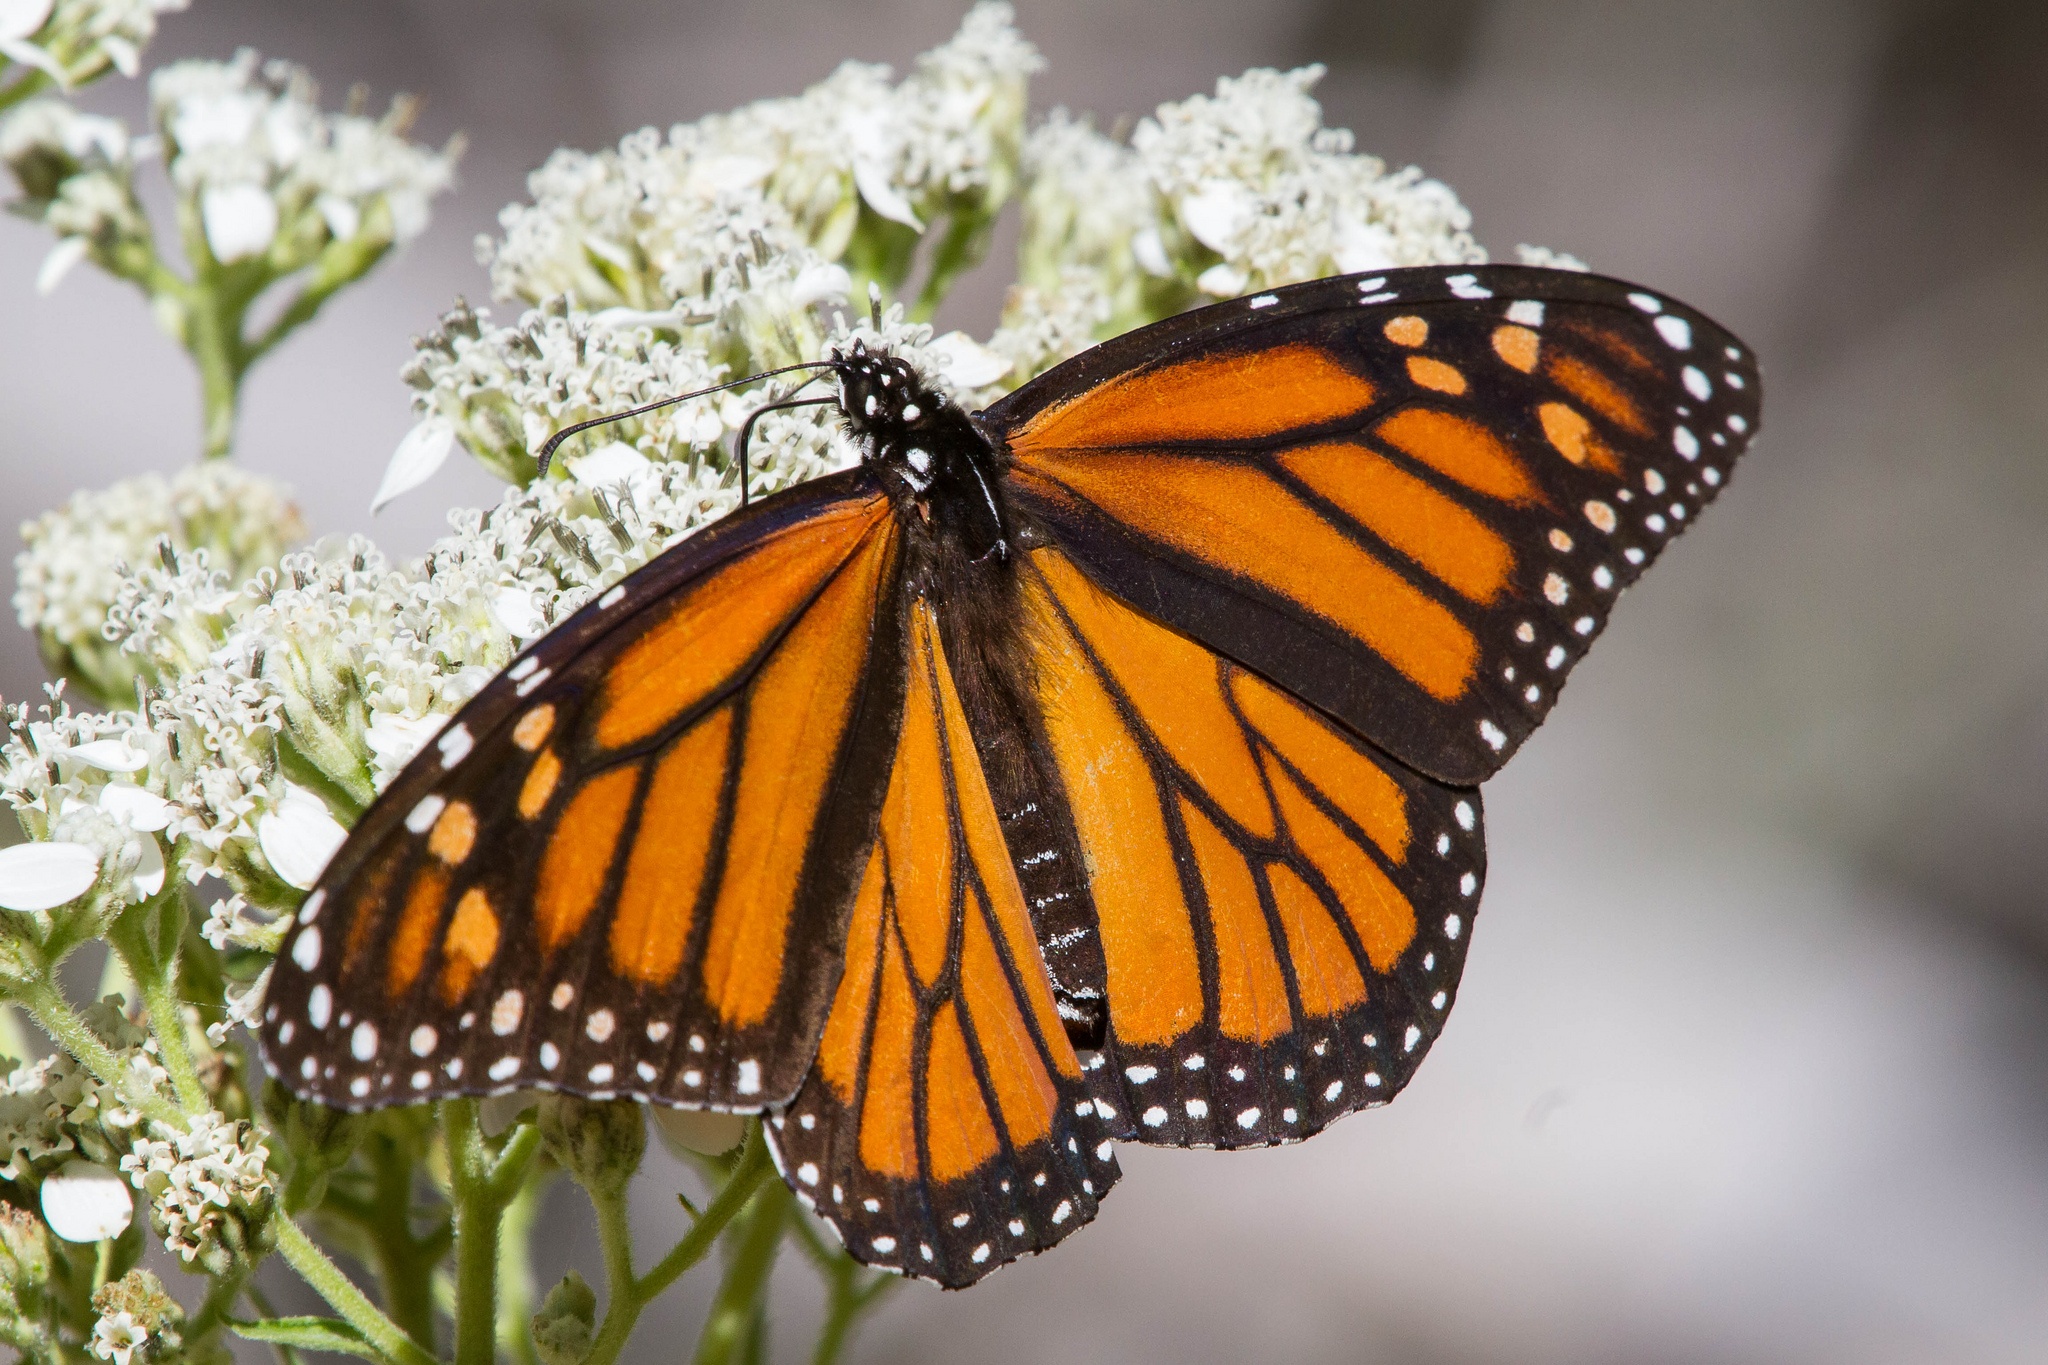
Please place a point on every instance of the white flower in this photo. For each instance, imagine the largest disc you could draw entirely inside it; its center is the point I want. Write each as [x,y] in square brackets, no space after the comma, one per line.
[195,1178]
[117,1336]
[422,451]
[20,19]
[299,836]
[966,363]
[74,40]
[697,1130]
[1550,260]
[241,220]
[45,876]
[86,1203]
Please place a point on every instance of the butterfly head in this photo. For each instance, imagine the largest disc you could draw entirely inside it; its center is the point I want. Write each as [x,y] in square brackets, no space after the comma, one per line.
[883,397]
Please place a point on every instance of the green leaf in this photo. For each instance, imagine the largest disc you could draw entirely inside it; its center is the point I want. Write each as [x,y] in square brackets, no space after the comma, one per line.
[310,1334]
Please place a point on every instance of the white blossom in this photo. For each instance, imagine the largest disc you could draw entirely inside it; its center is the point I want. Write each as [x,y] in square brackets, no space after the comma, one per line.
[117,1336]
[74,40]
[54,1109]
[195,1178]
[298,836]
[86,1203]
[47,875]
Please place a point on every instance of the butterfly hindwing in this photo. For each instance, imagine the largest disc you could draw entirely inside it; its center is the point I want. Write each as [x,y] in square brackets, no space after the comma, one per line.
[947,1126]
[1283,910]
[1410,499]
[619,869]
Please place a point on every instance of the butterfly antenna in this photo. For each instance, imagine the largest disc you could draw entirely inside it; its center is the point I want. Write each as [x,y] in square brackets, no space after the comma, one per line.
[747,430]
[547,452]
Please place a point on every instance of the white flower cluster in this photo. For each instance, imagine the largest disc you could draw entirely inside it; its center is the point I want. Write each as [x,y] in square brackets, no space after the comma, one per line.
[1212,197]
[78,561]
[663,221]
[72,41]
[137,1320]
[273,174]
[195,1179]
[54,1110]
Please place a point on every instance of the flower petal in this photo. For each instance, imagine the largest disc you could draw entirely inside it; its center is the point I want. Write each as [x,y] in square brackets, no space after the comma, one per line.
[966,363]
[241,220]
[67,253]
[1224,281]
[516,612]
[1217,214]
[698,1130]
[20,18]
[108,755]
[142,811]
[47,875]
[422,451]
[299,837]
[614,462]
[87,1203]
[149,872]
[821,282]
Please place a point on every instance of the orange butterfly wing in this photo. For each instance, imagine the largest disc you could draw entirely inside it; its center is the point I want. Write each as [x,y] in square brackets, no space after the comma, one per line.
[947,1126]
[1410,500]
[1282,909]
[622,868]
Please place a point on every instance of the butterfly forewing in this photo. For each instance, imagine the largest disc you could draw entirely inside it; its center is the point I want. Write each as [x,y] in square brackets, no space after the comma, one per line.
[1410,499]
[947,1127]
[617,871]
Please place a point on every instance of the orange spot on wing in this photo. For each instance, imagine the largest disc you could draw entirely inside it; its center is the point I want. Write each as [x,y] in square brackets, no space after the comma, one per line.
[579,855]
[723,621]
[532,730]
[1228,397]
[846,1027]
[1406,330]
[797,715]
[1351,781]
[471,943]
[1231,515]
[1596,391]
[370,906]
[1155,985]
[959,1132]
[416,925]
[888,1131]
[539,784]
[1252,994]
[454,834]
[1518,346]
[1324,970]
[1460,449]
[1568,430]
[1381,915]
[1435,374]
[1024,1091]
[658,900]
[1427,525]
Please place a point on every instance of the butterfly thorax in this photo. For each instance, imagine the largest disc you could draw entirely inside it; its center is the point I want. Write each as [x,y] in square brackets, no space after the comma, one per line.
[940,470]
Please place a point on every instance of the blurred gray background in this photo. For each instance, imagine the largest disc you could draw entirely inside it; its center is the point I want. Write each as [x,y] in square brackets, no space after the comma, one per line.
[1751,1062]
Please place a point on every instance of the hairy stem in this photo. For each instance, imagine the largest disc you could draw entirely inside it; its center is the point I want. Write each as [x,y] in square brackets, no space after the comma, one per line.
[848,1292]
[48,1007]
[748,1175]
[404,1263]
[730,1332]
[328,1281]
[477,1219]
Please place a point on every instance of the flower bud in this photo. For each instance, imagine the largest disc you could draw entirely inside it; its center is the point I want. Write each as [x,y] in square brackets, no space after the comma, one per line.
[597,1141]
[562,1328]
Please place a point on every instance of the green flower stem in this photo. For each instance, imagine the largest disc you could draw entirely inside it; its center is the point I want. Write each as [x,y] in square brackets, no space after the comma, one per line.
[53,1013]
[482,1188]
[34,83]
[328,1281]
[731,1332]
[405,1263]
[848,1293]
[146,935]
[753,1170]
[515,1271]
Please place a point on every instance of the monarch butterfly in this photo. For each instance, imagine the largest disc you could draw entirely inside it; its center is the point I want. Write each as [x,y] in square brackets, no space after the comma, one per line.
[1101,766]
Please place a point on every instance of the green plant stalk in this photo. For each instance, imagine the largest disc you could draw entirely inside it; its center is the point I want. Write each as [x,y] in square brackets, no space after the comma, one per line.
[749,1174]
[147,936]
[405,1263]
[327,1280]
[33,83]
[848,1294]
[481,1190]
[53,1013]
[731,1329]
[515,1272]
